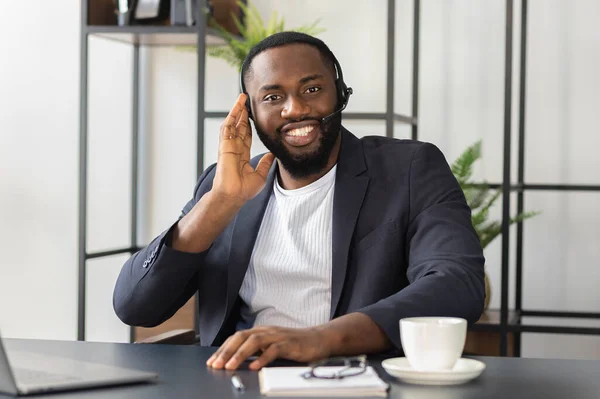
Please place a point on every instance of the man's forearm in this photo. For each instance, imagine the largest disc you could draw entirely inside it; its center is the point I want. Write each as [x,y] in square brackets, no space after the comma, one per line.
[197,230]
[353,334]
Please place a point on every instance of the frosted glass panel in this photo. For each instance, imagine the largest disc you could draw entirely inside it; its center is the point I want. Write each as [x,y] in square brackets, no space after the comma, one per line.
[362,128]
[109,146]
[169,144]
[403,58]
[102,324]
[561,256]
[402,130]
[461,91]
[563,93]
[222,85]
[560,346]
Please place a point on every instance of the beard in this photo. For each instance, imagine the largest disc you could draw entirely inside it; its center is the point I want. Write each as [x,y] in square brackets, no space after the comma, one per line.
[301,166]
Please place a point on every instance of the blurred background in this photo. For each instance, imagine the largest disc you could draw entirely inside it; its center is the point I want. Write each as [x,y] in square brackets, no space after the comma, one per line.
[460,101]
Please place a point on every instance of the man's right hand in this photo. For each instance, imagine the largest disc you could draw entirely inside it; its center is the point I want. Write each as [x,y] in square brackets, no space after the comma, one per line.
[235,183]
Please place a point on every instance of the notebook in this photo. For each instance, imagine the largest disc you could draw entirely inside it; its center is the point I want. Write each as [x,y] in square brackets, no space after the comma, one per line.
[288,381]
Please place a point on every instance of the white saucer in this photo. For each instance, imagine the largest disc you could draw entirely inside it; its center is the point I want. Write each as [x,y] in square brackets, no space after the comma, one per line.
[464,370]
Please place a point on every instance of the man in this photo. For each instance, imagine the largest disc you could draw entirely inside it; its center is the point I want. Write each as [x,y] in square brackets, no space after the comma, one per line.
[319,247]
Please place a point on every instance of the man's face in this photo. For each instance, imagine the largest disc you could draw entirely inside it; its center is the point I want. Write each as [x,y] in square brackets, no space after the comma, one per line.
[292,88]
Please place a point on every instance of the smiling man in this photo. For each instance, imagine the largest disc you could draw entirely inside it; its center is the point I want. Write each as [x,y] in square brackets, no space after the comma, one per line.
[319,247]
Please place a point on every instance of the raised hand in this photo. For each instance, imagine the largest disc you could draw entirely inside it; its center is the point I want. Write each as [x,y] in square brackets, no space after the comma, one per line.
[235,182]
[235,179]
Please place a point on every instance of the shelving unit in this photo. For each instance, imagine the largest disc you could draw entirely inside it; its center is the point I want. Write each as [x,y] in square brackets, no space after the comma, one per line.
[510,321]
[502,322]
[200,36]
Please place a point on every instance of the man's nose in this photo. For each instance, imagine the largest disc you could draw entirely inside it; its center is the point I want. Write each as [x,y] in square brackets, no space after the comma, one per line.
[295,108]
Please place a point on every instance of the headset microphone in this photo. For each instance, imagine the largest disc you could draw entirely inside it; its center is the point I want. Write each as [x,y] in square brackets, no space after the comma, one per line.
[328,118]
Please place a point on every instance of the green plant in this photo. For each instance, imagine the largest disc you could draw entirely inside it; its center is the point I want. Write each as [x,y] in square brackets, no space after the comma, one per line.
[252,31]
[480,197]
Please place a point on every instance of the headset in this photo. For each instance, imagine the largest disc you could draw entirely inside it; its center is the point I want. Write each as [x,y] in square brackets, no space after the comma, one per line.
[343,92]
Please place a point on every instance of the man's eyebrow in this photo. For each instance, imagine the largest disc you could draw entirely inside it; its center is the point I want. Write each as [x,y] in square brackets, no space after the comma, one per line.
[301,81]
[270,87]
[311,77]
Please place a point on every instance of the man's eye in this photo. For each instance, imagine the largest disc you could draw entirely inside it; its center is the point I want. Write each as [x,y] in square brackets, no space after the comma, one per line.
[272,97]
[313,89]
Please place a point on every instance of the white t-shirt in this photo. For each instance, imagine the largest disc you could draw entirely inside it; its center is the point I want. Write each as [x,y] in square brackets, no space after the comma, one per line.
[288,281]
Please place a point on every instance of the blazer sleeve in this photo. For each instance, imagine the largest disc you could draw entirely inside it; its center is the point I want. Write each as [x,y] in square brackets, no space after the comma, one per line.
[158,280]
[445,258]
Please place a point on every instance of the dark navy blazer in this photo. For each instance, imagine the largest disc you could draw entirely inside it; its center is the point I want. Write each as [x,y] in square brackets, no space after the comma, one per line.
[403,245]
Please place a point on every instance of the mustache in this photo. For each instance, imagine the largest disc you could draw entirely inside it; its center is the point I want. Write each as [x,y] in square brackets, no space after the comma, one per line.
[310,118]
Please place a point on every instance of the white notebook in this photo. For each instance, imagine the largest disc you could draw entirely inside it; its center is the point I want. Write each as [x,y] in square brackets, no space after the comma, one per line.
[288,381]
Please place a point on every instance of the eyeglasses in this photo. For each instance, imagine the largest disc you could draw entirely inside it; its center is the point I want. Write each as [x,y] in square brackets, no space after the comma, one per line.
[336,368]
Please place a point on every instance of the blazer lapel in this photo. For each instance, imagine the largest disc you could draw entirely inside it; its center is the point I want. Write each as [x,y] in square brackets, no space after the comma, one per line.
[350,189]
[245,230]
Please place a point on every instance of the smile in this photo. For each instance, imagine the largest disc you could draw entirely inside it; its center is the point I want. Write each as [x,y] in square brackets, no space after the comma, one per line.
[302,136]
[300,132]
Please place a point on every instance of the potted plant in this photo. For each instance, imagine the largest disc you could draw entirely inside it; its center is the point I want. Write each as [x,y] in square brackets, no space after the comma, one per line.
[480,199]
[252,31]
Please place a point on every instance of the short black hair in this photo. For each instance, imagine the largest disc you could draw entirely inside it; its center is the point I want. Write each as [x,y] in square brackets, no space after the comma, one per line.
[281,39]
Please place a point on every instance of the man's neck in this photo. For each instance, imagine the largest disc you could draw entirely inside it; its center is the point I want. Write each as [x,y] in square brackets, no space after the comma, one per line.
[289,182]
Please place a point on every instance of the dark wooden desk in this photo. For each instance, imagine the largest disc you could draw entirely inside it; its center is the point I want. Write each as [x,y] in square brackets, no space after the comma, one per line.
[183,374]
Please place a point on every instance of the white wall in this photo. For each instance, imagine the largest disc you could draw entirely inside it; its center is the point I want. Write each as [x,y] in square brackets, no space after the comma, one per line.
[461,100]
[38,168]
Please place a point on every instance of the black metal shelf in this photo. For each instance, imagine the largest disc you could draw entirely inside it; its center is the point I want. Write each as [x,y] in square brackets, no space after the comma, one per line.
[491,322]
[551,313]
[155,35]
[541,329]
[520,187]
[112,252]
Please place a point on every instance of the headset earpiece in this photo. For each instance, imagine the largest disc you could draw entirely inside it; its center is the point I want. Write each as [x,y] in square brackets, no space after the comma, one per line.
[248,106]
[343,92]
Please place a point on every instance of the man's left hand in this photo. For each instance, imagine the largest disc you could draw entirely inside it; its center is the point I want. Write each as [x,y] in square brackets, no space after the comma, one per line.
[302,345]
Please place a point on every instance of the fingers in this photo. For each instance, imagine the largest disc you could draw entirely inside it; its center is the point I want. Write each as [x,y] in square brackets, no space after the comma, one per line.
[215,356]
[251,346]
[256,178]
[240,346]
[264,165]
[225,351]
[273,352]
[228,127]
[230,349]
[243,129]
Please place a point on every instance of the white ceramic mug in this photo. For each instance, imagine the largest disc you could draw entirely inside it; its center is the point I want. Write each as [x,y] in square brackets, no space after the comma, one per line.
[433,343]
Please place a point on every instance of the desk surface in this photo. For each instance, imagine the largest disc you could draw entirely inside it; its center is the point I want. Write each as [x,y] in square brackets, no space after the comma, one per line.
[183,374]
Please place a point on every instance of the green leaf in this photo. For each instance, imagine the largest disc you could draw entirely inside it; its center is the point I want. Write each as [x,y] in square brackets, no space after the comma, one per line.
[252,31]
[224,53]
[524,216]
[463,165]
[476,196]
[482,214]
[489,232]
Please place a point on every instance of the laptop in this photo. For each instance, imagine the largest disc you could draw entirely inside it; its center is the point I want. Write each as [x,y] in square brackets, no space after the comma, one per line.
[25,373]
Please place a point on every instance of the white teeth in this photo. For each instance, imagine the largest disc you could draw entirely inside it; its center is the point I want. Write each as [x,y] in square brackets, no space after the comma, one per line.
[303,131]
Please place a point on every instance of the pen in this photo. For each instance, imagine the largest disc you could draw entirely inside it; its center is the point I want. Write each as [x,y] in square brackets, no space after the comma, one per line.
[237,382]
